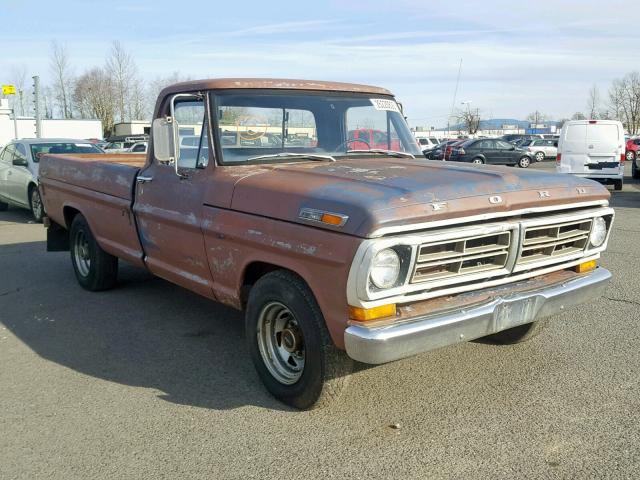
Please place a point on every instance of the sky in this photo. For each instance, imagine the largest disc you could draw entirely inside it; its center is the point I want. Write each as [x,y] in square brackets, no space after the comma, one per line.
[517,56]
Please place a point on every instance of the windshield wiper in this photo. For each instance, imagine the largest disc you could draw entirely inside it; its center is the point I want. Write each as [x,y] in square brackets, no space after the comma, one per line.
[391,153]
[310,156]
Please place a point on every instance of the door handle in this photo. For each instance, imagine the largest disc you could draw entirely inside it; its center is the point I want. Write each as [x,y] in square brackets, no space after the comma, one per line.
[141,179]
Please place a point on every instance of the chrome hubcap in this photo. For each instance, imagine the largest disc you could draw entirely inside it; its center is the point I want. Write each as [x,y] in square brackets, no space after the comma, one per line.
[36,204]
[281,343]
[524,162]
[81,253]
[477,161]
[540,157]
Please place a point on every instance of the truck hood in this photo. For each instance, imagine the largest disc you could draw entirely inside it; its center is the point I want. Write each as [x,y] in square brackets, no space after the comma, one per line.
[378,193]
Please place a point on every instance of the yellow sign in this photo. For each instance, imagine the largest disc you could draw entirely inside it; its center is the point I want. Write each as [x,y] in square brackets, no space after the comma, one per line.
[8,90]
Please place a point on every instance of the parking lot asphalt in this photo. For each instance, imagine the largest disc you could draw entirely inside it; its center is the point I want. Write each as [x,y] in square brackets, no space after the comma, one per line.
[151,381]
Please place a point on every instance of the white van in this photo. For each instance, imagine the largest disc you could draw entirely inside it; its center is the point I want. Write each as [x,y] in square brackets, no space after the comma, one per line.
[592,149]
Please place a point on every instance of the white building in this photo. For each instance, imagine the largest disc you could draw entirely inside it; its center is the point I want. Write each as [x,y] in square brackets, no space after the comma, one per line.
[26,127]
[133,128]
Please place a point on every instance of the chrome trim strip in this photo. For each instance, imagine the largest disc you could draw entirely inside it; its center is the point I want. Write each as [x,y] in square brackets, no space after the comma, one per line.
[422,334]
[486,216]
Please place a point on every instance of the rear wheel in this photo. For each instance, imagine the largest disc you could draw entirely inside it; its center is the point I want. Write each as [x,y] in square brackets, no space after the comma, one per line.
[539,156]
[477,161]
[635,172]
[289,343]
[617,185]
[519,334]
[524,162]
[630,155]
[95,269]
[37,210]
[3,206]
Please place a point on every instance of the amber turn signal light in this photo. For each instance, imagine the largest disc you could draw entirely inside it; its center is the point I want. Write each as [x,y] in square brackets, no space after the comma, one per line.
[367,314]
[331,219]
[586,266]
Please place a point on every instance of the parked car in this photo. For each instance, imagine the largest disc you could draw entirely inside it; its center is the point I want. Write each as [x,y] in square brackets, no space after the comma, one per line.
[138,147]
[541,149]
[520,137]
[633,155]
[335,255]
[19,162]
[123,144]
[491,151]
[443,150]
[427,143]
[593,149]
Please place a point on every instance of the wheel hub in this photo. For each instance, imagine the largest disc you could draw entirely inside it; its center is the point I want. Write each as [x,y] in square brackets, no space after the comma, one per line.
[291,339]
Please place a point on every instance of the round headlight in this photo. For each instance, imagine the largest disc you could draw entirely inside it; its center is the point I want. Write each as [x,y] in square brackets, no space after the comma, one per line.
[598,232]
[385,268]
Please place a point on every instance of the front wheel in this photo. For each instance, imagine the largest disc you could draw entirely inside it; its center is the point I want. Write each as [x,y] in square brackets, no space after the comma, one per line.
[524,162]
[37,210]
[95,269]
[3,206]
[635,172]
[519,334]
[289,343]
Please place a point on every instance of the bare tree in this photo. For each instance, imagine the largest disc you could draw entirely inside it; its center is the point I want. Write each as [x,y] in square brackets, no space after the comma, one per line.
[63,78]
[470,119]
[578,116]
[19,79]
[624,101]
[155,86]
[94,96]
[122,69]
[536,118]
[593,102]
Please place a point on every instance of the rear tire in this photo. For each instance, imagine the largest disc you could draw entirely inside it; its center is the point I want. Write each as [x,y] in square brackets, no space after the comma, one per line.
[477,161]
[540,156]
[630,155]
[95,269]
[290,345]
[35,202]
[524,162]
[635,172]
[3,206]
[617,185]
[519,334]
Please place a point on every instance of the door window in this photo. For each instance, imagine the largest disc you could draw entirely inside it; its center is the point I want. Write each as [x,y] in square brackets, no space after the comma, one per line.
[192,128]
[503,145]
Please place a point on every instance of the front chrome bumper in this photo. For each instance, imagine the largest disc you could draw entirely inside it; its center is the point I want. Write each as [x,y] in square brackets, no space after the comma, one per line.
[392,342]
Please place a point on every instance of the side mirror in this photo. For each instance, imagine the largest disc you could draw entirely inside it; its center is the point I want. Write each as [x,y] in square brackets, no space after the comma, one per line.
[164,140]
[19,162]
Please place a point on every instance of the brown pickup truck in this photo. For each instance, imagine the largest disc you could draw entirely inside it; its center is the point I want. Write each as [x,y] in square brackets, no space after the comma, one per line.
[252,194]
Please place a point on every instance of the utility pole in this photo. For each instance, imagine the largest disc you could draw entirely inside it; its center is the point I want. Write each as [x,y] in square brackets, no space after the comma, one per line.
[36,100]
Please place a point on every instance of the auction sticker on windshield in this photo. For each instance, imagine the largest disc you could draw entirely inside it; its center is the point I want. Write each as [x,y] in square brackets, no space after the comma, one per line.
[384,104]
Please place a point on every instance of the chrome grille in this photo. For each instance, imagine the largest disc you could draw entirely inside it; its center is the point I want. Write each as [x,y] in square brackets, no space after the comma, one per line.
[555,240]
[476,254]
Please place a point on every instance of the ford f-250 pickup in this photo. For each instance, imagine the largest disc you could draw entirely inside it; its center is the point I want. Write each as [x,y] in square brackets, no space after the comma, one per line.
[335,252]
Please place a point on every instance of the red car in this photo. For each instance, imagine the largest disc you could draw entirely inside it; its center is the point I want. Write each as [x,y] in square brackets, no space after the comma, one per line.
[367,138]
[633,146]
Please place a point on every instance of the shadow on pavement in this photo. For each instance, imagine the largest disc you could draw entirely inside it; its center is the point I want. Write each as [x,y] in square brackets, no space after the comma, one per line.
[144,333]
[16,215]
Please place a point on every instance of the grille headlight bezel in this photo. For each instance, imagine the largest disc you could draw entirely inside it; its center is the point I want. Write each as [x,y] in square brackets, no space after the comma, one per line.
[599,232]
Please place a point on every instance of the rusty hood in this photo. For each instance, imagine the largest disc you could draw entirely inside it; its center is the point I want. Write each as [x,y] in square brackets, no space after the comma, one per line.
[378,192]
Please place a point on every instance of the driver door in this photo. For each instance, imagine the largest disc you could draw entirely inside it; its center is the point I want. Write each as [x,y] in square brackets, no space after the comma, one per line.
[169,207]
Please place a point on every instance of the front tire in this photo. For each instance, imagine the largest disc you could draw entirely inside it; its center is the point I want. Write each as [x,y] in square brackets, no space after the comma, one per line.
[3,206]
[95,269]
[635,172]
[519,334]
[524,162]
[37,209]
[289,343]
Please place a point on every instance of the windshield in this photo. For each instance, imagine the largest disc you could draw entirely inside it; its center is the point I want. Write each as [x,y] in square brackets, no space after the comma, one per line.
[252,126]
[38,149]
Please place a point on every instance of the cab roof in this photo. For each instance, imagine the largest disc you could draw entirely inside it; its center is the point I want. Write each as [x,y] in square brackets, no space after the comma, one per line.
[271,83]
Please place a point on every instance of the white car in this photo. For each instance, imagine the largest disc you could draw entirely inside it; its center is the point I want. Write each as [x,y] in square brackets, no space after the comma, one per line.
[541,148]
[593,149]
[138,147]
[19,169]
[427,143]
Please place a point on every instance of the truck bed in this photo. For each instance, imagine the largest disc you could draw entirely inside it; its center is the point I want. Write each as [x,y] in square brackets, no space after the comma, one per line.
[100,187]
[109,174]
